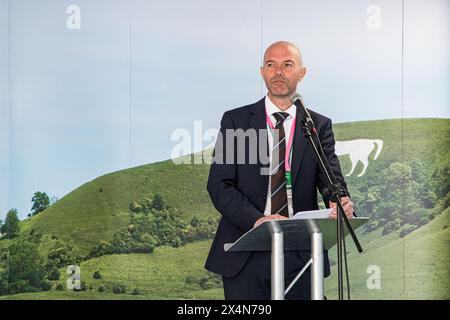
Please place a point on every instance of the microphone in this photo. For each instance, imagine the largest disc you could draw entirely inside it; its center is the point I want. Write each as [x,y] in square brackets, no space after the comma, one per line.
[298,101]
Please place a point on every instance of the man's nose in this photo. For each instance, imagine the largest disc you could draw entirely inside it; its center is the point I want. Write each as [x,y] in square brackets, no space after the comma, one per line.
[280,71]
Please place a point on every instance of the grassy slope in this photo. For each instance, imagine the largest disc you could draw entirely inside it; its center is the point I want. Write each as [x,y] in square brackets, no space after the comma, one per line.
[160,275]
[86,216]
[415,267]
[420,136]
[427,140]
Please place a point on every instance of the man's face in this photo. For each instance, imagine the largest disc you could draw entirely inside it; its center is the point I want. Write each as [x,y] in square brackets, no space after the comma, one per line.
[282,70]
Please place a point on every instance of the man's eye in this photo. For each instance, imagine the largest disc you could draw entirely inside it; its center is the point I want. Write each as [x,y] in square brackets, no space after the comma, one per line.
[288,64]
[270,65]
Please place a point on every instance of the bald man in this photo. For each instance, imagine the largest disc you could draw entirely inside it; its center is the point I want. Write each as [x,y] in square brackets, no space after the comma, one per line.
[247,193]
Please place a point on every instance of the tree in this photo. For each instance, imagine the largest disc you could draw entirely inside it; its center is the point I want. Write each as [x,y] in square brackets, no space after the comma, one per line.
[41,201]
[440,181]
[158,202]
[60,255]
[53,274]
[135,207]
[11,226]
[26,270]
[391,226]
[195,222]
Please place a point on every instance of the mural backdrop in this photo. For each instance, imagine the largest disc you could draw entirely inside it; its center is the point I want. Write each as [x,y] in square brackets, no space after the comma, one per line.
[103,103]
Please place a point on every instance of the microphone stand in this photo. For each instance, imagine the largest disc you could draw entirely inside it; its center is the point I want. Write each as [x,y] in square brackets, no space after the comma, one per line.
[308,128]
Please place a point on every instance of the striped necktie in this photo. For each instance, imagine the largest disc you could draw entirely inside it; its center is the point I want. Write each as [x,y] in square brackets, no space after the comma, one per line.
[278,178]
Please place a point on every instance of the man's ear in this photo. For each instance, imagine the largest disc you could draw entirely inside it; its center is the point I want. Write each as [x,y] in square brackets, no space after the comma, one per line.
[302,74]
[261,71]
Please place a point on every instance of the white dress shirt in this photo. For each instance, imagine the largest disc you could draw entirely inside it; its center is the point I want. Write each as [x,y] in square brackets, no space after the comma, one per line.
[288,122]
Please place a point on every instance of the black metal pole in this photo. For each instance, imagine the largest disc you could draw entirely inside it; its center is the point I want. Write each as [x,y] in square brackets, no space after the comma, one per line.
[340,237]
[334,188]
[326,170]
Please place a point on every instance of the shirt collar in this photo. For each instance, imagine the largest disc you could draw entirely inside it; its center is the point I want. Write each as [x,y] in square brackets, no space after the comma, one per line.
[271,108]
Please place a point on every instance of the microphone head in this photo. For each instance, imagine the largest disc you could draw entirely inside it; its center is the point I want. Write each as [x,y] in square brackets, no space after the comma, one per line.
[295,97]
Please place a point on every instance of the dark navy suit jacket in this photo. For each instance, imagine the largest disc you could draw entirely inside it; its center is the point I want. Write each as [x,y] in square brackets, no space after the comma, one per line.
[239,191]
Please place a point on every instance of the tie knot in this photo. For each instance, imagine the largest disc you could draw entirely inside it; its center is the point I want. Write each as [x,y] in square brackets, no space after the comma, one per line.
[280,117]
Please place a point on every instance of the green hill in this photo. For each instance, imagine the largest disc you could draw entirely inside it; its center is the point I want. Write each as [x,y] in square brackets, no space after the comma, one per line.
[415,267]
[95,211]
[159,275]
[422,256]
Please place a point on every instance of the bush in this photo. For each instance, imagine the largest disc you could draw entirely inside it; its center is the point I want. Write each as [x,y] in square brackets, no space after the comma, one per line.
[118,288]
[390,227]
[416,216]
[370,226]
[4,284]
[423,221]
[210,281]
[381,222]
[97,275]
[83,286]
[191,280]
[54,274]
[103,248]
[46,286]
[407,231]
[135,207]
[136,292]
[101,289]
[155,227]
[446,202]
[195,222]
[429,199]
[158,202]
[59,287]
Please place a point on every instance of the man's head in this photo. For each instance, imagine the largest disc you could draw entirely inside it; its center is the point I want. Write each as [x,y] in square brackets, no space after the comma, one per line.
[282,69]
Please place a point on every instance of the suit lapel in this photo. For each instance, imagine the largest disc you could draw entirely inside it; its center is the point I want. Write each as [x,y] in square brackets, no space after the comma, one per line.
[299,146]
[257,121]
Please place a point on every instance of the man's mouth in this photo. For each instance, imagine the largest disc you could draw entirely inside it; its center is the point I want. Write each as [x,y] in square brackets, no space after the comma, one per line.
[279,82]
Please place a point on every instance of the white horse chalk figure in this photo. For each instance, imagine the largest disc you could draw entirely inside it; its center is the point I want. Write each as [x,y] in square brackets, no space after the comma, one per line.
[359,150]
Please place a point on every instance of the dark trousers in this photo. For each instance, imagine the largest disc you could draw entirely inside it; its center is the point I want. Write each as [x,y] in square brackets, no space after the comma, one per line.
[253,282]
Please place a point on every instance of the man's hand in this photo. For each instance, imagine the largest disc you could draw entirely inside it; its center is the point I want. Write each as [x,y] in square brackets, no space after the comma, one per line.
[348,208]
[267,218]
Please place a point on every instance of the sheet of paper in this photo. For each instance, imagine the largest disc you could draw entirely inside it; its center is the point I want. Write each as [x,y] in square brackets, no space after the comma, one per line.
[314,214]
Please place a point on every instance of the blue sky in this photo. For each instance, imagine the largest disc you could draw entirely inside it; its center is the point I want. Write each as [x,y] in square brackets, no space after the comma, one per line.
[86,102]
